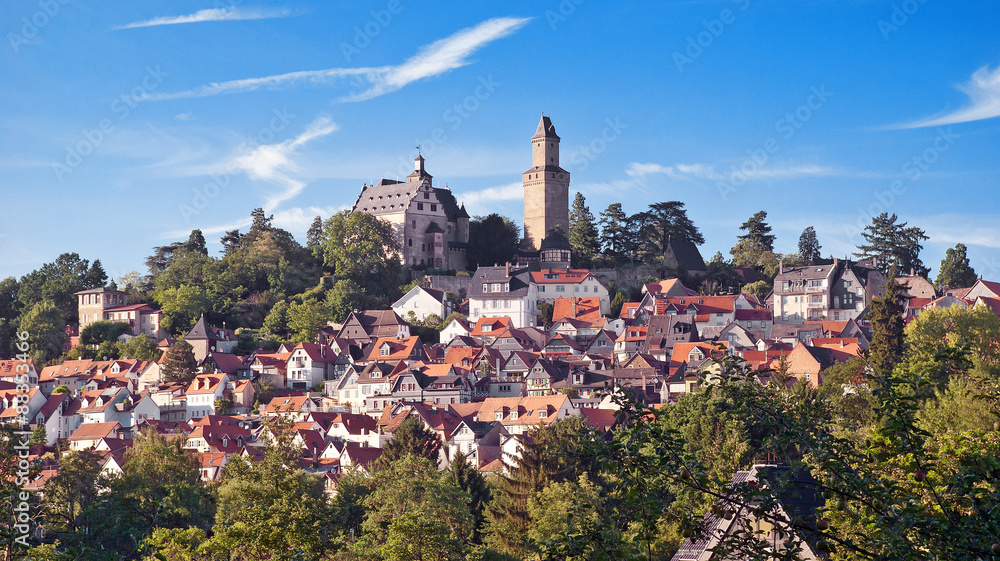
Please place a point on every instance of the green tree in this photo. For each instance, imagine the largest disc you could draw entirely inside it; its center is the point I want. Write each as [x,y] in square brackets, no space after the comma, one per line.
[893,244]
[46,329]
[140,347]
[665,221]
[58,281]
[809,246]
[179,363]
[583,234]
[305,319]
[345,297]
[363,248]
[270,507]
[276,322]
[182,306]
[614,232]
[760,288]
[959,408]
[314,237]
[942,331]
[469,479]
[415,512]
[564,508]
[492,241]
[159,487]
[751,246]
[103,330]
[886,318]
[70,495]
[955,270]
[10,311]
[410,438]
[196,242]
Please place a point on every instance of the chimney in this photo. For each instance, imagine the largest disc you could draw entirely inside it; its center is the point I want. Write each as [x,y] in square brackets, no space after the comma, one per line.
[507,268]
[781,265]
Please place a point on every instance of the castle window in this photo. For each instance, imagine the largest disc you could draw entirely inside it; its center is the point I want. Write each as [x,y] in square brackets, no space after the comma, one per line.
[420,206]
[434,208]
[414,223]
[427,195]
[409,242]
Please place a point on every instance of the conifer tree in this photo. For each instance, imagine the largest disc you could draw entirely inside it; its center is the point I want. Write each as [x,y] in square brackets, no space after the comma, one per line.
[955,270]
[410,438]
[583,236]
[614,232]
[752,245]
[809,246]
[886,318]
[469,479]
[179,364]
[893,244]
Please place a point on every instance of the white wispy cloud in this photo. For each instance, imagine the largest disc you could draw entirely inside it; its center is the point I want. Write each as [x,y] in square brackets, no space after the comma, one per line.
[480,202]
[297,220]
[640,171]
[434,59]
[231,13]
[273,163]
[983,90]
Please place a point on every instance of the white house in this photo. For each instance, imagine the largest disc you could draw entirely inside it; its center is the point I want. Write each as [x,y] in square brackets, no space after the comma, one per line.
[308,365]
[504,292]
[422,302]
[203,392]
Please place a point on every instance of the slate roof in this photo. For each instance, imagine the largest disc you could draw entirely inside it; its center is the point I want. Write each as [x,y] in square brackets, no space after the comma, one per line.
[519,280]
[686,254]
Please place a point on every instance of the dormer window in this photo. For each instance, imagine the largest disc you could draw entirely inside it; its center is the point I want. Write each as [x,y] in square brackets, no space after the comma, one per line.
[498,416]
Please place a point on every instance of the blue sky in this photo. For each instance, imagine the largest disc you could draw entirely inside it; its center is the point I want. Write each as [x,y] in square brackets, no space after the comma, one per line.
[125,125]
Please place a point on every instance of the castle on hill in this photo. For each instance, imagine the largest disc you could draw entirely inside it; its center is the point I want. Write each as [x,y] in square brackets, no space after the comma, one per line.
[432,228]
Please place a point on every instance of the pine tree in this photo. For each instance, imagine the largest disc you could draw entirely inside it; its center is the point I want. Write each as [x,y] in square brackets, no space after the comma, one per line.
[411,437]
[314,237]
[664,222]
[809,246]
[893,244]
[583,235]
[886,318]
[196,242]
[469,479]
[614,232]
[955,270]
[752,245]
[179,364]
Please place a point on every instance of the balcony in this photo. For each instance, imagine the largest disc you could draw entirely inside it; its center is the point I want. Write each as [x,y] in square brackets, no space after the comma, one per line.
[815,289]
[816,305]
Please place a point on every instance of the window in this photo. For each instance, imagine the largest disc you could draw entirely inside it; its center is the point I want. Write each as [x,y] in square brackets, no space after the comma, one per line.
[434,208]
[560,288]
[498,416]
[495,287]
[420,206]
[413,223]
[427,195]
[486,287]
[409,242]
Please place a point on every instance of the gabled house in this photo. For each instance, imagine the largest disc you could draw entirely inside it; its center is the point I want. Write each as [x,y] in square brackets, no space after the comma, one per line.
[519,415]
[554,284]
[296,408]
[504,292]
[88,435]
[456,327]
[391,349]
[422,301]
[99,406]
[664,331]
[364,327]
[308,365]
[272,367]
[19,372]
[58,417]
[837,291]
[203,392]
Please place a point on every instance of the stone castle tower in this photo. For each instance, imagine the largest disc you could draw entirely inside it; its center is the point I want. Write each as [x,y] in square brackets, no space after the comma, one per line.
[546,186]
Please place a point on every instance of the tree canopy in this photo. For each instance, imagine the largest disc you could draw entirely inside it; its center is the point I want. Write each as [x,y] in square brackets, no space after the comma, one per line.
[893,244]
[955,270]
[493,240]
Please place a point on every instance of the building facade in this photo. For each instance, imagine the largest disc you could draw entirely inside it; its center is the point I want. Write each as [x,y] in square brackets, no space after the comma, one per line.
[431,229]
[546,186]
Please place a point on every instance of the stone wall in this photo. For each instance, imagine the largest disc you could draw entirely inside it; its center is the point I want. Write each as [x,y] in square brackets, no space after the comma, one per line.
[455,285]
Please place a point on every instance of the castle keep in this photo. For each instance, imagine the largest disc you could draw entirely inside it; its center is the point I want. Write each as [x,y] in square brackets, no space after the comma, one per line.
[546,186]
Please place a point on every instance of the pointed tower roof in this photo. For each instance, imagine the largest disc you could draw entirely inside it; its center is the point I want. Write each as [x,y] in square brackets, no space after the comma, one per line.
[545,129]
[419,173]
[201,331]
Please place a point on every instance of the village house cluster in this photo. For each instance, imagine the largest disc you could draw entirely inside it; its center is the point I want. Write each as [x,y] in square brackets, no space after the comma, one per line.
[496,372]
